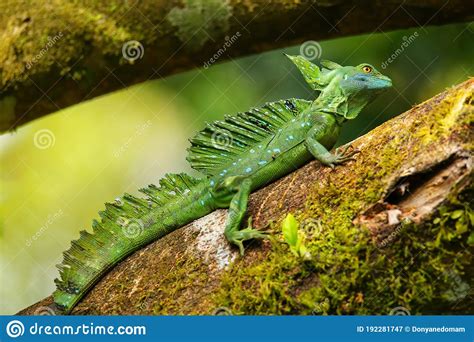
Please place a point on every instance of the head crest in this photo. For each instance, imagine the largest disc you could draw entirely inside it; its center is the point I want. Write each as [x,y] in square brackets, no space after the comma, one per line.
[316,78]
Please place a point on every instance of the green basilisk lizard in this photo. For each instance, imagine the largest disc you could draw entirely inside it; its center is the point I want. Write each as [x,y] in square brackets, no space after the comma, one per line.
[237,155]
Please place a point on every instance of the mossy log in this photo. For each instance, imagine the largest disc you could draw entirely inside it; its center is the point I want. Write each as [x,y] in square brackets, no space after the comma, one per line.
[54,54]
[391,230]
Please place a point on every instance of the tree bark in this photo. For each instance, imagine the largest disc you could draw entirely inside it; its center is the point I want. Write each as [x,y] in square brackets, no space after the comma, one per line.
[54,54]
[409,192]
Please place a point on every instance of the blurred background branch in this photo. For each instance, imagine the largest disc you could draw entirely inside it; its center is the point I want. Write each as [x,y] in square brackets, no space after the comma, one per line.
[54,54]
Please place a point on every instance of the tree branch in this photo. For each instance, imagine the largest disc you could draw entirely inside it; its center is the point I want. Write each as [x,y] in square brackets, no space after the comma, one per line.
[389,230]
[60,53]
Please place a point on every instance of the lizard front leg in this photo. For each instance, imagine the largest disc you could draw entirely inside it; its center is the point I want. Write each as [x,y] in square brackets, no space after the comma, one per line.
[321,153]
[237,209]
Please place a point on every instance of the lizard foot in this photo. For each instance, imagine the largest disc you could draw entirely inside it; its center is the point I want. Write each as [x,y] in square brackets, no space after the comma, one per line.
[239,236]
[343,155]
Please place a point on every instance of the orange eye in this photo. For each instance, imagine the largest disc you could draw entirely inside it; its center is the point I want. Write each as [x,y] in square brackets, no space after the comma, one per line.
[367,69]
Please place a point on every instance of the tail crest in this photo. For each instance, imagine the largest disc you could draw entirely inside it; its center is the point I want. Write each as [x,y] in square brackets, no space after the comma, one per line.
[122,227]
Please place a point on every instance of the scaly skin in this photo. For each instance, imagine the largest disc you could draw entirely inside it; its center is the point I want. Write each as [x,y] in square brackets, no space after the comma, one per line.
[265,144]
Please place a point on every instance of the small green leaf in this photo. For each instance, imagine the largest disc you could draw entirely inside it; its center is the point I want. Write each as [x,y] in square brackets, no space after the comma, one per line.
[470,239]
[293,237]
[290,230]
[461,227]
[457,214]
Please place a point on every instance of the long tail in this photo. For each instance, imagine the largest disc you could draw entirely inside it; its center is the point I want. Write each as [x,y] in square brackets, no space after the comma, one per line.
[125,226]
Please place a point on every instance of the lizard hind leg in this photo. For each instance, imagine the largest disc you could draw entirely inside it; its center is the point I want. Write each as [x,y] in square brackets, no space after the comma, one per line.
[237,209]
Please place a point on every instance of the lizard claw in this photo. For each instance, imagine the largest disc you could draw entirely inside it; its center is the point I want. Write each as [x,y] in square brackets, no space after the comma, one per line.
[345,154]
[239,236]
[341,155]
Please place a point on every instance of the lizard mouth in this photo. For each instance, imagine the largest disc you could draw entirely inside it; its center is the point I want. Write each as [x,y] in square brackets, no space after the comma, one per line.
[372,82]
[378,82]
[386,80]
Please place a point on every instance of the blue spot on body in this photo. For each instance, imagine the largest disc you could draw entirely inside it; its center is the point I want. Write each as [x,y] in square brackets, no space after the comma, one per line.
[202,202]
[262,162]
[249,169]
[252,151]
[276,150]
[212,183]
[291,137]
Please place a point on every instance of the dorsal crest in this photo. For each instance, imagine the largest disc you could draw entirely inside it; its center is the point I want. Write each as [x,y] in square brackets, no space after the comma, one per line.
[223,142]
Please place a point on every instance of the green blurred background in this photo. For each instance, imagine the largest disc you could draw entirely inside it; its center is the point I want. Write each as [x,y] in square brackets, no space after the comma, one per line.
[123,141]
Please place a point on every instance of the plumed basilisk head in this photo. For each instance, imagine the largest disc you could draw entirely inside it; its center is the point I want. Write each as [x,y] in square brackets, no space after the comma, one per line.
[344,89]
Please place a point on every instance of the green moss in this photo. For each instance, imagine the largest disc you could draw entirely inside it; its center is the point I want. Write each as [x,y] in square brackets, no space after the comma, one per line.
[447,115]
[200,20]
[175,286]
[348,274]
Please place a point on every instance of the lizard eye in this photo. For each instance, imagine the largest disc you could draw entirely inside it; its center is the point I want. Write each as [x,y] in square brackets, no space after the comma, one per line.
[367,69]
